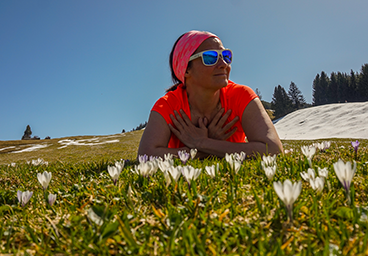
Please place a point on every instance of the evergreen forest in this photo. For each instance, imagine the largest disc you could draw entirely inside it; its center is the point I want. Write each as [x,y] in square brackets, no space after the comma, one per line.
[337,88]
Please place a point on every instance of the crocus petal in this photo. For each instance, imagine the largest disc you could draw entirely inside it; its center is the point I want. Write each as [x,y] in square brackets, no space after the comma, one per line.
[19,195]
[279,190]
[193,153]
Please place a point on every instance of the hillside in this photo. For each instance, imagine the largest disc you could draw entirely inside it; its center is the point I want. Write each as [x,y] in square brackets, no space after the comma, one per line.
[72,149]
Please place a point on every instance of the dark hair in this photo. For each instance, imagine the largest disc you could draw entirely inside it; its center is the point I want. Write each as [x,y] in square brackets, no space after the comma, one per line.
[174,78]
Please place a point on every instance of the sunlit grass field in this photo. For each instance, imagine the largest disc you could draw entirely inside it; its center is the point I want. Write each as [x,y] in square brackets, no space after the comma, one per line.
[230,214]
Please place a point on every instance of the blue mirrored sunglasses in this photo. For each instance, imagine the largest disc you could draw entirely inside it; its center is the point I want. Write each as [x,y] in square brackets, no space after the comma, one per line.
[210,57]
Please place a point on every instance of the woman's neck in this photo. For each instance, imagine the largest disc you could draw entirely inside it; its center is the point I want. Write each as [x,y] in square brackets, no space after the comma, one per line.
[204,104]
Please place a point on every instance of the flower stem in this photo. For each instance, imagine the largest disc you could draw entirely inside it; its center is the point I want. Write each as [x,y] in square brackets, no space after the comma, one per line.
[289,209]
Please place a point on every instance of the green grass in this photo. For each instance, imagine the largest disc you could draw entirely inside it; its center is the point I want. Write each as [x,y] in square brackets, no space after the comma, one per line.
[232,214]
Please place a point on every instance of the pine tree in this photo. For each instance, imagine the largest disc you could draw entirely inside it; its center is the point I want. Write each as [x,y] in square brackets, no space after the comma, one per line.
[27,133]
[258,92]
[343,87]
[353,94]
[333,89]
[296,97]
[316,91]
[323,84]
[363,83]
[281,102]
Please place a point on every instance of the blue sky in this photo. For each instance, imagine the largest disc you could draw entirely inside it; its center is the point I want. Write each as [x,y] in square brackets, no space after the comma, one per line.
[91,67]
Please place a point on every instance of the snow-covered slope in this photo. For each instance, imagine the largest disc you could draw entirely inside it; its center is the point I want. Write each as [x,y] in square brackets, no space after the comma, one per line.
[342,120]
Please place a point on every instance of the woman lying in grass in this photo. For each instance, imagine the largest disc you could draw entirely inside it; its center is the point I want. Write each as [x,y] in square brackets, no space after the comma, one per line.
[204,109]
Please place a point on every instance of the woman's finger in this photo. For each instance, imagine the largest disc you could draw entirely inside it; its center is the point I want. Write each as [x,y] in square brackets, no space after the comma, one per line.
[229,134]
[174,131]
[205,121]
[201,123]
[217,117]
[185,117]
[230,124]
[223,119]
[177,123]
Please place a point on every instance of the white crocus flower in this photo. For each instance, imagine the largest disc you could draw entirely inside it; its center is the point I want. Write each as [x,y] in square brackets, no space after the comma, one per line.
[319,146]
[240,156]
[287,151]
[168,156]
[114,172]
[146,168]
[190,173]
[167,177]
[309,152]
[317,184]
[268,161]
[323,172]
[310,174]
[322,146]
[165,165]
[44,179]
[51,199]
[175,172]
[23,197]
[345,174]
[229,157]
[37,162]
[211,171]
[288,193]
[120,165]
[270,171]
[94,217]
[235,164]
[193,153]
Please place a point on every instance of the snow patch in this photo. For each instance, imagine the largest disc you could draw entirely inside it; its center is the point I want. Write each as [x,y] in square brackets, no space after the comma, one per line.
[85,142]
[340,120]
[32,148]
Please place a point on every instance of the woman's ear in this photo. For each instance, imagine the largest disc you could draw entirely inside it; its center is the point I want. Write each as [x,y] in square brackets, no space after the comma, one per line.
[187,73]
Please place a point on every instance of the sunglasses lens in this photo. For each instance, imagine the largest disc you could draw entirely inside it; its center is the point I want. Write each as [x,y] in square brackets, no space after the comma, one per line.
[226,54]
[210,57]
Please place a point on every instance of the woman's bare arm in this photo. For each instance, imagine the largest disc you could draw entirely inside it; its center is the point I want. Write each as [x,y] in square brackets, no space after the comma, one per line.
[156,137]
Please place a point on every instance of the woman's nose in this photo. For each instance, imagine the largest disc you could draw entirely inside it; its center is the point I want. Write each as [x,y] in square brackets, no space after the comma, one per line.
[222,62]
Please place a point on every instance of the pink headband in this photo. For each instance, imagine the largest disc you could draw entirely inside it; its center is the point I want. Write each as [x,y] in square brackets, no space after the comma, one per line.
[185,47]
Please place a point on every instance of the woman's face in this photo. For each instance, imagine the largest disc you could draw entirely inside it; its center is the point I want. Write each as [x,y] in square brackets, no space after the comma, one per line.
[214,77]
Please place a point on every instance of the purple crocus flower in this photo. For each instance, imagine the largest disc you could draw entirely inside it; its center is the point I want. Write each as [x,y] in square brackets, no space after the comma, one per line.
[23,197]
[184,156]
[355,145]
[142,158]
[51,199]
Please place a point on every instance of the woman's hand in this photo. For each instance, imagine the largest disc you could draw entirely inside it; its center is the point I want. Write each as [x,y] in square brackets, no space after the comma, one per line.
[186,131]
[217,130]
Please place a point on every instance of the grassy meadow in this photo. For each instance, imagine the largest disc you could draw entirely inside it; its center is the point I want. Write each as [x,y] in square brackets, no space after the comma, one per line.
[233,213]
